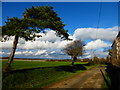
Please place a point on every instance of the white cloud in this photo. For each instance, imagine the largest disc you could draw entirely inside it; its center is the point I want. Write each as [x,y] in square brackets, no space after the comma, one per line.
[29,52]
[40,52]
[50,45]
[52,52]
[96,44]
[98,53]
[1,52]
[17,53]
[23,52]
[94,33]
[43,44]
[49,35]
[101,54]
[48,40]
[6,45]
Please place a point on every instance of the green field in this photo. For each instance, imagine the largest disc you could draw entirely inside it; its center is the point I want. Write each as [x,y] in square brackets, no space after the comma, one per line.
[36,74]
[34,64]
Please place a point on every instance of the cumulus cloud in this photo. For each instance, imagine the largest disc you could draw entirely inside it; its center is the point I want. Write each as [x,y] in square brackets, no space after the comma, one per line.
[94,33]
[6,45]
[40,52]
[23,52]
[43,44]
[29,52]
[49,35]
[98,53]
[1,52]
[48,40]
[96,44]
[46,54]
[101,54]
[96,48]
[50,45]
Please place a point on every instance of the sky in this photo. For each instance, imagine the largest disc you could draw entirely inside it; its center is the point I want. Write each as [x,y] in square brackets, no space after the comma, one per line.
[60,0]
[81,19]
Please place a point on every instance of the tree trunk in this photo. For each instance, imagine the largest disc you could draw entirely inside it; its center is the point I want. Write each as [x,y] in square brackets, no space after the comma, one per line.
[74,59]
[15,42]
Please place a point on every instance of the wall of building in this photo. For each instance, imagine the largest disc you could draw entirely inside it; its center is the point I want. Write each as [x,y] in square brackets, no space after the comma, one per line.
[115,57]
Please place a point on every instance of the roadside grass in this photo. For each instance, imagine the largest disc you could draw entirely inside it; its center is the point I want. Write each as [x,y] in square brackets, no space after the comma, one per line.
[37,78]
[105,84]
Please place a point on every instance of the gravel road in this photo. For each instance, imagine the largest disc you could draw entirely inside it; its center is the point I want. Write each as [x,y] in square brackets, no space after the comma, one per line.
[89,79]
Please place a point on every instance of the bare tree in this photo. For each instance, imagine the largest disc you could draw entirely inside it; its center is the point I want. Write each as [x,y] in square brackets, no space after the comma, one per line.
[74,49]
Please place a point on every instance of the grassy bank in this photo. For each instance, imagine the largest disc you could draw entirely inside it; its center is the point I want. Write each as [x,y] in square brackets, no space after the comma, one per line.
[105,85]
[26,75]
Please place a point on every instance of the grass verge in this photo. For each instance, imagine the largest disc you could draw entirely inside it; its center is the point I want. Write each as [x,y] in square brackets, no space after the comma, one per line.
[107,82]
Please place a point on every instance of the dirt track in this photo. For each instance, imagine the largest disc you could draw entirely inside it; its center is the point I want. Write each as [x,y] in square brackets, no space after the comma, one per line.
[89,79]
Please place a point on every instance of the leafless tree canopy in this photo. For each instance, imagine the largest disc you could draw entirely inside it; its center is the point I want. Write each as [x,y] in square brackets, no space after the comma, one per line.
[74,49]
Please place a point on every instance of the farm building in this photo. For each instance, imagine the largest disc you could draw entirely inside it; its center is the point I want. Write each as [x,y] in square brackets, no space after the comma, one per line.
[115,52]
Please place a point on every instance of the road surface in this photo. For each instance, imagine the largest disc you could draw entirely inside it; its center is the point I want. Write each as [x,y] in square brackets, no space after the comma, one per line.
[89,79]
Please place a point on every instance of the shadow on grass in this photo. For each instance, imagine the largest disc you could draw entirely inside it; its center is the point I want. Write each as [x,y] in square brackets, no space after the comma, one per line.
[74,68]
[33,76]
[67,68]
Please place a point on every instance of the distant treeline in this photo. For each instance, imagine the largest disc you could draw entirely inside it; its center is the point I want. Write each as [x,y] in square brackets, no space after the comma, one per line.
[95,60]
[35,59]
[78,60]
